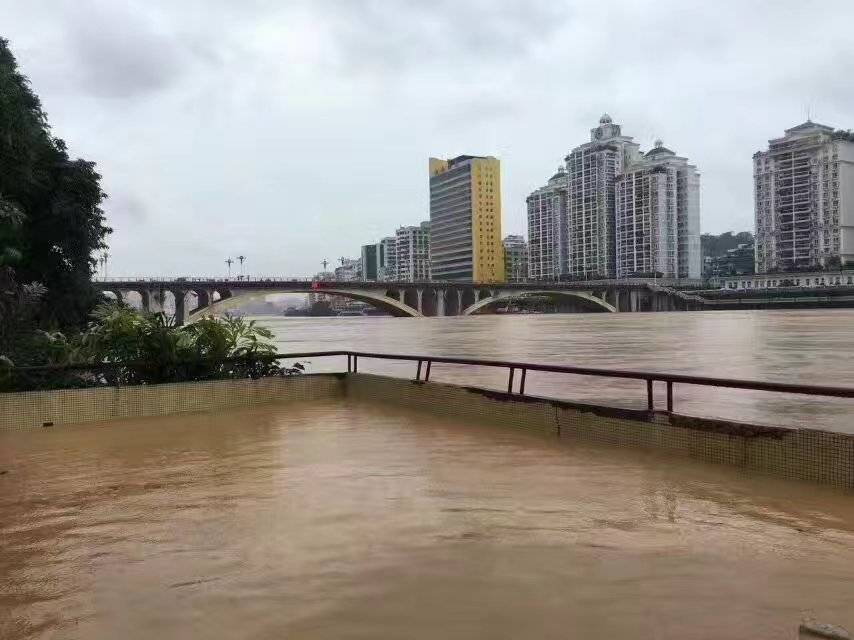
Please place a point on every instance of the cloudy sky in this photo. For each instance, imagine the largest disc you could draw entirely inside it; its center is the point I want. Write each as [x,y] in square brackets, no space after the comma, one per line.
[296,130]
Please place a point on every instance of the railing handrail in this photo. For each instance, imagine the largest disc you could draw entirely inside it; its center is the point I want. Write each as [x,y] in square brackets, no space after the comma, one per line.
[654,376]
[648,376]
[665,283]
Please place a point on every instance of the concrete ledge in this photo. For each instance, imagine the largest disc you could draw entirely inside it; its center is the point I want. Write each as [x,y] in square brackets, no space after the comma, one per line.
[803,454]
[70,406]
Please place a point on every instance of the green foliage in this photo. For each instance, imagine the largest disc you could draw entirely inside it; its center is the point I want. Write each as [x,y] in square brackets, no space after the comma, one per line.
[11,219]
[152,349]
[833,263]
[713,245]
[52,223]
[18,308]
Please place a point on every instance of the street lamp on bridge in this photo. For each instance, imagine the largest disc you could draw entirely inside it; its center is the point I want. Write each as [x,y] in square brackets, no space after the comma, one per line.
[103,260]
[229,262]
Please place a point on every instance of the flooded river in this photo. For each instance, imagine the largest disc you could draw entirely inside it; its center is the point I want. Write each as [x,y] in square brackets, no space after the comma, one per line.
[356,521]
[810,347]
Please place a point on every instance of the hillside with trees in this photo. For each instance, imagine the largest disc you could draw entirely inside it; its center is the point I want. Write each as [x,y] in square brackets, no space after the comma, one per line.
[51,219]
[713,245]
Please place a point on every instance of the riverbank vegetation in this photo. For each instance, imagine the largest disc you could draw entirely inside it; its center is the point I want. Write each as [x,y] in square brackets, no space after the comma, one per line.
[52,226]
[122,346]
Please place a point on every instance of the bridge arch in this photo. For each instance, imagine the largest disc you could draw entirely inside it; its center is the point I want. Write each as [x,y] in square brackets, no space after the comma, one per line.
[374,298]
[501,296]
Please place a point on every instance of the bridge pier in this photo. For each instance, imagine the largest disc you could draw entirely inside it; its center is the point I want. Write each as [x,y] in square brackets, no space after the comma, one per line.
[633,301]
[440,302]
[181,312]
[151,301]
[203,298]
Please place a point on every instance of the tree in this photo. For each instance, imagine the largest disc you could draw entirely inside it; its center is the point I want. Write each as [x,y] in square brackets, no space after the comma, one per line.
[833,263]
[56,201]
[713,245]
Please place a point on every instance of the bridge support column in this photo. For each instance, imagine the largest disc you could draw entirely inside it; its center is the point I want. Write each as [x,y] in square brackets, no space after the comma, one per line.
[633,301]
[459,302]
[181,313]
[440,302]
[204,298]
[400,295]
[151,301]
[476,296]
[420,294]
[613,299]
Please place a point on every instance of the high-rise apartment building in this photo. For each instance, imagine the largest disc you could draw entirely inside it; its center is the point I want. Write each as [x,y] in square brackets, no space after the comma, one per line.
[548,228]
[413,253]
[592,169]
[657,216]
[379,260]
[804,199]
[465,219]
[515,259]
[370,260]
[387,261]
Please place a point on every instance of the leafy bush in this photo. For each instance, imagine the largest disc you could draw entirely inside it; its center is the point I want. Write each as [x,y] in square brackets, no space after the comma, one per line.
[152,349]
[126,347]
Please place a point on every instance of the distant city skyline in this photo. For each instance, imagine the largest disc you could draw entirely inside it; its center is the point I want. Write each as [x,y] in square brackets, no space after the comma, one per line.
[286,133]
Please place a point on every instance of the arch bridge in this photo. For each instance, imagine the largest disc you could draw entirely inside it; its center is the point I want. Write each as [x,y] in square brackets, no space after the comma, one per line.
[195,297]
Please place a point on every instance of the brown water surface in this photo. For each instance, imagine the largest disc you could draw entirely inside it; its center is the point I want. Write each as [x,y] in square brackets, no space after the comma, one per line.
[808,347]
[328,520]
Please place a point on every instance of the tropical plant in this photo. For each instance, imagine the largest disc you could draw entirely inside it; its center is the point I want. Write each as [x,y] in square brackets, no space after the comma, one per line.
[149,348]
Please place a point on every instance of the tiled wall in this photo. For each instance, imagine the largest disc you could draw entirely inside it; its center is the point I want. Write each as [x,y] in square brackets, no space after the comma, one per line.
[36,408]
[805,454]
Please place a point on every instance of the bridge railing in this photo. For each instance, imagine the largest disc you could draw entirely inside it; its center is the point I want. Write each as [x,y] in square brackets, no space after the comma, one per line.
[198,279]
[254,279]
[108,373]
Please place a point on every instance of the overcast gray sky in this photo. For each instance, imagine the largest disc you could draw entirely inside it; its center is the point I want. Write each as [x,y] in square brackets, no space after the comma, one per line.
[297,130]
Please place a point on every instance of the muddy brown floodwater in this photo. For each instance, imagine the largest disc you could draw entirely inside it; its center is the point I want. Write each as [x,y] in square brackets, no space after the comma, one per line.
[807,347]
[332,520]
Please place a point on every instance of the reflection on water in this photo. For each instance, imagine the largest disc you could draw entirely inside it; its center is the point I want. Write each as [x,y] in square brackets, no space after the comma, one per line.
[334,521]
[811,347]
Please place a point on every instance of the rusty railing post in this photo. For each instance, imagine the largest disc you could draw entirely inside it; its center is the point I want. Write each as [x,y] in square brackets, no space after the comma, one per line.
[349,363]
[522,382]
[418,373]
[669,396]
[649,402]
[355,364]
[427,373]
[510,380]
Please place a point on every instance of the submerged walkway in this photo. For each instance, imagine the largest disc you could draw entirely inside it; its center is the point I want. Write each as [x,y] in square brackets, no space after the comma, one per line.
[325,519]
